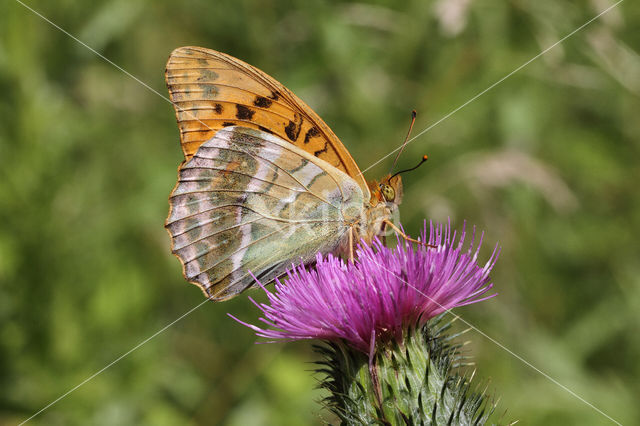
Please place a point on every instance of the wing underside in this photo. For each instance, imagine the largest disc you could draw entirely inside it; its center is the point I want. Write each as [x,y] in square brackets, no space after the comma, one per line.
[211,90]
[248,202]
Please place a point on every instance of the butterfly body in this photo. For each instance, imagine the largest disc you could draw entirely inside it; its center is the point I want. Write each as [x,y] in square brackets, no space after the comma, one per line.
[265,183]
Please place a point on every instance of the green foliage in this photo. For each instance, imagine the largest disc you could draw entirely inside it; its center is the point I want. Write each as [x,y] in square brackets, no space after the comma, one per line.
[546,162]
[413,383]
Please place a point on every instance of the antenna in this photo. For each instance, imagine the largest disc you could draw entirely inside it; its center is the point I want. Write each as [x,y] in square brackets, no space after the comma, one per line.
[424,158]
[404,144]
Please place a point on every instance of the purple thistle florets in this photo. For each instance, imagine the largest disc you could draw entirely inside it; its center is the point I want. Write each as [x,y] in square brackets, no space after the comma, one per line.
[380,295]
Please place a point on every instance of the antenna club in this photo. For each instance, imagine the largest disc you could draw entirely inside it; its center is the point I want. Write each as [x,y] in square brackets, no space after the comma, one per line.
[425,157]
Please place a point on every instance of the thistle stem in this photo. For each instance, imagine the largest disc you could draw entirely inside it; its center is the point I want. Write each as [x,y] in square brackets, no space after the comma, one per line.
[412,382]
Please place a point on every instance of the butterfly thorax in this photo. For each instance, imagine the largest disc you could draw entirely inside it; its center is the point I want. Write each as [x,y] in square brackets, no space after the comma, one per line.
[373,223]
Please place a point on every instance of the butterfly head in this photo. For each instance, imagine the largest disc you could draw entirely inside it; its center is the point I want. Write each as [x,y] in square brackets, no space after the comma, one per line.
[388,190]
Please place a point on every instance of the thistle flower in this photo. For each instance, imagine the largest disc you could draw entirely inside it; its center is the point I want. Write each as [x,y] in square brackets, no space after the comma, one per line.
[385,358]
[383,293]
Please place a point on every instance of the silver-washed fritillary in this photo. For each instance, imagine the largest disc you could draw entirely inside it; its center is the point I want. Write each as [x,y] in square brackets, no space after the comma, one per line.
[265,182]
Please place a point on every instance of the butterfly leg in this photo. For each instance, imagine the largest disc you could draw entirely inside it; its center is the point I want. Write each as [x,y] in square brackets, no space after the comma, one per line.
[351,244]
[405,236]
[383,233]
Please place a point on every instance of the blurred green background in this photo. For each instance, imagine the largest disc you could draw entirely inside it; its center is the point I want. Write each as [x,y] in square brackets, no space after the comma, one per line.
[546,163]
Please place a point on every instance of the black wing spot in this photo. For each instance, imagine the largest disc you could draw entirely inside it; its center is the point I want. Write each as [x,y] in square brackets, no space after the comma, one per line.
[290,130]
[244,113]
[274,95]
[228,123]
[293,129]
[218,108]
[311,133]
[262,102]
[321,151]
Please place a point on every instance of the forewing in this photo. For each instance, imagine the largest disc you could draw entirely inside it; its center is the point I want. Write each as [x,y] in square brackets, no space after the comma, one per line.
[211,90]
[249,201]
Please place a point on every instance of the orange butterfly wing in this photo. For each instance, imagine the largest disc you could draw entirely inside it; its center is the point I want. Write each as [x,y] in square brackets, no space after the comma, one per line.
[211,90]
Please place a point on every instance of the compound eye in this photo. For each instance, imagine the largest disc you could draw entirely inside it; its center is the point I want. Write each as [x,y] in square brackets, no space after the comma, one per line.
[388,193]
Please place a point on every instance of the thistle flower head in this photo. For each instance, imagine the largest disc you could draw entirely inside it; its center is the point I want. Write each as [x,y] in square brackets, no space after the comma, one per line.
[383,293]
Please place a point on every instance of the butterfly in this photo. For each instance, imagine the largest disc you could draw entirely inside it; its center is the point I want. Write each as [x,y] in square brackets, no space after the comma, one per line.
[264,183]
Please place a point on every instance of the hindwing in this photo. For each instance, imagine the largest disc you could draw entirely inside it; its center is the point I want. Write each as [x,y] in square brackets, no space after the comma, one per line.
[248,200]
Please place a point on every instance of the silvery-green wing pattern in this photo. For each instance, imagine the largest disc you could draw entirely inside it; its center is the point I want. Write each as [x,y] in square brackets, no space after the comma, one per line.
[249,201]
